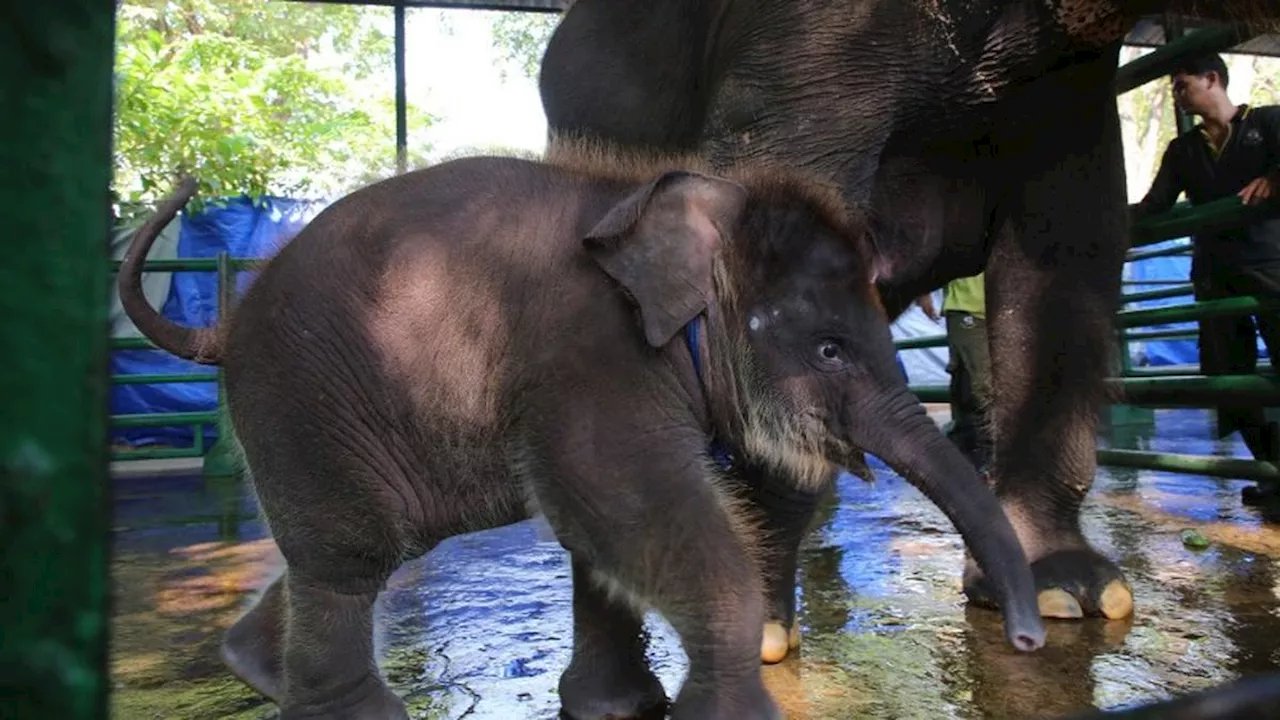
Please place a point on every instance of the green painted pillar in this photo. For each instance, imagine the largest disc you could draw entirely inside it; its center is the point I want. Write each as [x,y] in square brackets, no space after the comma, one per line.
[222,460]
[55,159]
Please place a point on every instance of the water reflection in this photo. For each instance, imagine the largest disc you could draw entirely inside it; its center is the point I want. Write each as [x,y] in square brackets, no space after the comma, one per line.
[481,627]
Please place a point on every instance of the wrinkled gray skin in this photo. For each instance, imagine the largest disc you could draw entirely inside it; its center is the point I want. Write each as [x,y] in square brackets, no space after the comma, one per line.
[447,350]
[982,135]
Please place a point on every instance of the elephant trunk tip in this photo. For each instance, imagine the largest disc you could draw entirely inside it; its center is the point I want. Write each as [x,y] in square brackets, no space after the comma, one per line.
[1025,631]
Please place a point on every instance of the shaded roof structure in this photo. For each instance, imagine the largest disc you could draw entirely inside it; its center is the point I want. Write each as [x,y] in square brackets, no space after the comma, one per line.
[1150,32]
[525,5]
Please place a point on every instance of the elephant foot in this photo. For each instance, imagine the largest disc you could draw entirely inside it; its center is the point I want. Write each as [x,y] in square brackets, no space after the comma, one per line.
[602,693]
[252,647]
[371,699]
[1264,494]
[1070,584]
[698,701]
[778,641]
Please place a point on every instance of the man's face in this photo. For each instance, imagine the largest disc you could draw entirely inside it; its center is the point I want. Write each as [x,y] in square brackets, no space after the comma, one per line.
[1195,93]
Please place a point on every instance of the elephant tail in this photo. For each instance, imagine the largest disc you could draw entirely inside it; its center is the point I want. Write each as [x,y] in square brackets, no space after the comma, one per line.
[202,345]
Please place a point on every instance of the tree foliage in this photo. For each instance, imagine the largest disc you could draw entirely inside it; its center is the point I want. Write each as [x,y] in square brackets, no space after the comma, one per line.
[521,38]
[253,97]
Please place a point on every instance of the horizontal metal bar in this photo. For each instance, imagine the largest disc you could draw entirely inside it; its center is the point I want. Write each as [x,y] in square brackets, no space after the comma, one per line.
[1189,312]
[157,453]
[1179,249]
[1147,335]
[192,264]
[1185,220]
[1159,62]
[160,378]
[164,419]
[1179,391]
[131,343]
[1202,390]
[1264,366]
[1186,312]
[919,343]
[1164,294]
[1191,464]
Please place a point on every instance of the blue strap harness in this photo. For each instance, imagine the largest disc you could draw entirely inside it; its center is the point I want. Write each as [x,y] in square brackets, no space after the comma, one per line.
[716,449]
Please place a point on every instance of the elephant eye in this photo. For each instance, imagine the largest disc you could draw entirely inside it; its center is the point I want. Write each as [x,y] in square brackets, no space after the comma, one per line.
[829,350]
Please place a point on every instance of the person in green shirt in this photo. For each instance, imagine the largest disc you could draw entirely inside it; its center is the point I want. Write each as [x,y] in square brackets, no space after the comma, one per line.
[964,305]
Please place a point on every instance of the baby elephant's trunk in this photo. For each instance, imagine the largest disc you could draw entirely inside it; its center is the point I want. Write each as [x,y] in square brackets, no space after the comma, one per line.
[902,435]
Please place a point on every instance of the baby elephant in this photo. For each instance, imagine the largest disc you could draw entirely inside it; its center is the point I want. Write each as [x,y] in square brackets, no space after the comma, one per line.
[464,346]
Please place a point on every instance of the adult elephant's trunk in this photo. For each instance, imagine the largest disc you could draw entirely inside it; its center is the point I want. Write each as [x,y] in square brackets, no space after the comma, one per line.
[899,431]
[198,344]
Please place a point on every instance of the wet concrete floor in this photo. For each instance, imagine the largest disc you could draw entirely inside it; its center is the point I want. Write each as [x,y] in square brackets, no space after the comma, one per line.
[481,627]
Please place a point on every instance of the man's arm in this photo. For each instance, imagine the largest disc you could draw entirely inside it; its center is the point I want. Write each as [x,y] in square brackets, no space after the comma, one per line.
[1164,189]
[1267,185]
[926,304]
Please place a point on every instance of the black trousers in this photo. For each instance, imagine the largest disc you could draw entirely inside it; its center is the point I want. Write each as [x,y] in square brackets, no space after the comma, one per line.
[970,369]
[1228,346]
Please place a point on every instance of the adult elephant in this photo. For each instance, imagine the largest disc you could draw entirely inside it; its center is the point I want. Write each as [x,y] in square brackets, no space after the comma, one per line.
[982,133]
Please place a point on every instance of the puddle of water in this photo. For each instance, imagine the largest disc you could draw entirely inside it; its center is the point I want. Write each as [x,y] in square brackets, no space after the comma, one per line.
[481,627]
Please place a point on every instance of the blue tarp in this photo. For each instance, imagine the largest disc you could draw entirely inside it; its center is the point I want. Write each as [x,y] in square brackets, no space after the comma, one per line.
[922,366]
[242,230]
[1166,352]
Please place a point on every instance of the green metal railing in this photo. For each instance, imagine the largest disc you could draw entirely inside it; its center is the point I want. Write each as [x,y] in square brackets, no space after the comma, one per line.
[219,460]
[1156,64]
[1172,387]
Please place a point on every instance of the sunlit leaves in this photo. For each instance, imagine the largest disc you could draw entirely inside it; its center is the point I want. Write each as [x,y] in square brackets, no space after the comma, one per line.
[253,97]
[521,38]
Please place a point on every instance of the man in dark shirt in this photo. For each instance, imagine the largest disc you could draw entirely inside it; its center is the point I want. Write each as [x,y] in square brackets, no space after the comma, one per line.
[1234,151]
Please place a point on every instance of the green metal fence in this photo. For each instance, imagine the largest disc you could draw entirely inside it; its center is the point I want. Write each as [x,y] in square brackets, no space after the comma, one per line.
[219,460]
[1179,386]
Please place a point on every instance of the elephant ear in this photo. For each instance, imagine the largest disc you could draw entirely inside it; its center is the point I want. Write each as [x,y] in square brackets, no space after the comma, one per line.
[658,244]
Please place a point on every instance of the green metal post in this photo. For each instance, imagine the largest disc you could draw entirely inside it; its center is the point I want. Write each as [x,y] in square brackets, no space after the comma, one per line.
[55,169]
[222,461]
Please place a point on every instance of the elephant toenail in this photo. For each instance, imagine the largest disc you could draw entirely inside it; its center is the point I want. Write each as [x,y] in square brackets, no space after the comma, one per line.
[774,644]
[1116,600]
[1057,603]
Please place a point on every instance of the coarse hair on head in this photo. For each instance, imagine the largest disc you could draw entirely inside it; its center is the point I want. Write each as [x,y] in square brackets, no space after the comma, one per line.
[1202,64]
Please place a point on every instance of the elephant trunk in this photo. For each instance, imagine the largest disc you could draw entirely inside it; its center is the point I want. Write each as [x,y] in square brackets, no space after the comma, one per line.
[900,433]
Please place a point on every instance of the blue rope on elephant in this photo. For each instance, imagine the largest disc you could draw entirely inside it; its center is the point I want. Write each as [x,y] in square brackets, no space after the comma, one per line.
[716,449]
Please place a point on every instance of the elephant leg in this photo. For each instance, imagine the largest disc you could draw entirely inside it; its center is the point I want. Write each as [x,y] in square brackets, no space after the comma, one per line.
[252,647]
[609,676]
[1053,285]
[786,515]
[329,668]
[659,533]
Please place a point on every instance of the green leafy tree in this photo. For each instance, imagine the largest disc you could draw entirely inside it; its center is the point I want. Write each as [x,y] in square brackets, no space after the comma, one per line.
[521,38]
[254,97]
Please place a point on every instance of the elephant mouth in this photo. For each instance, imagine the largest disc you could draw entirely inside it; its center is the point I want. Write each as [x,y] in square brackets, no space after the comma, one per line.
[797,444]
